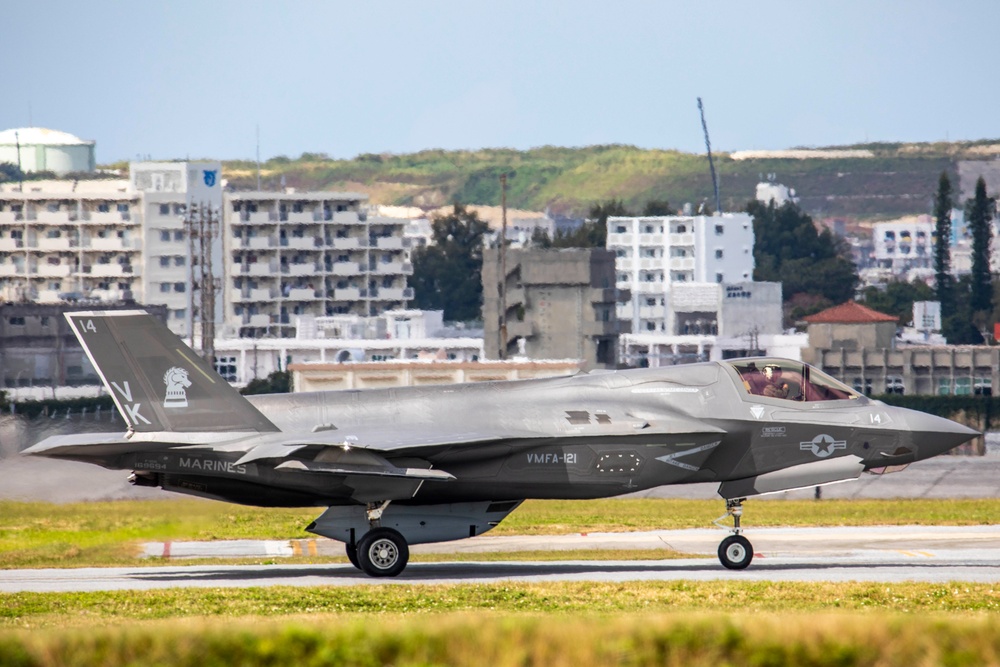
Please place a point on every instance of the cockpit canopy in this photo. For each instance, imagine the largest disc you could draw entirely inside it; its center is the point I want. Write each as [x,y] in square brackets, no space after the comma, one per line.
[789,380]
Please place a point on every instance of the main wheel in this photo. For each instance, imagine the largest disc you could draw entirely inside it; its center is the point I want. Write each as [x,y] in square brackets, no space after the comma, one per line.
[735,552]
[382,552]
[352,555]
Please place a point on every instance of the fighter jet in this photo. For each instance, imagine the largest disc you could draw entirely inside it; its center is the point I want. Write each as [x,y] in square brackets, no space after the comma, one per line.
[395,467]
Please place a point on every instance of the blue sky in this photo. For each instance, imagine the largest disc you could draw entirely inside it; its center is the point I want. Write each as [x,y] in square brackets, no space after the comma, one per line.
[194,79]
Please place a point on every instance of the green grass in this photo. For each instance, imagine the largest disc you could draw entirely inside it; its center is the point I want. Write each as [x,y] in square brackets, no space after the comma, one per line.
[35,610]
[578,625]
[108,533]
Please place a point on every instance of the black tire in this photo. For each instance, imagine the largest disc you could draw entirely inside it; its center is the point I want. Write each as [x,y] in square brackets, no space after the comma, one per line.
[382,552]
[352,555]
[735,552]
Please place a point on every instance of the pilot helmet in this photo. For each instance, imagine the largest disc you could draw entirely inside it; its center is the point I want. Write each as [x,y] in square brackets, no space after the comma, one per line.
[770,371]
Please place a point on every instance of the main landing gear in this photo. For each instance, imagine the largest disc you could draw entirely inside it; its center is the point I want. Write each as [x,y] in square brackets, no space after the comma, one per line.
[381,552]
[735,552]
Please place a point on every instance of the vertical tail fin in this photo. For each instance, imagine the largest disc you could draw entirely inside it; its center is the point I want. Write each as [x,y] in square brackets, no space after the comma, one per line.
[158,382]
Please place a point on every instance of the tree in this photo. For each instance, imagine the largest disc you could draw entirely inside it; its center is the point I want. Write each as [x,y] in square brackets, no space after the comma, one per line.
[944,286]
[657,207]
[897,298]
[594,232]
[980,211]
[447,274]
[278,382]
[789,249]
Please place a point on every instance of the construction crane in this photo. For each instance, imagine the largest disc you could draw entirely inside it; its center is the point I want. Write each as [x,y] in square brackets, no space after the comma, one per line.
[711,164]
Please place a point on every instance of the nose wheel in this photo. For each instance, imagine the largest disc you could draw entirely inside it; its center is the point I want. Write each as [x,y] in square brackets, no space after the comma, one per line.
[735,552]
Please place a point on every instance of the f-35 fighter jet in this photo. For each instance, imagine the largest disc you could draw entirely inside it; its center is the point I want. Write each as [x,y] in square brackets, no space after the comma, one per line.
[411,465]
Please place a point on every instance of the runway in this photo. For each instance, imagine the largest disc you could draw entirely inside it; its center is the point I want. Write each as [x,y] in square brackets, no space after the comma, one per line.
[884,555]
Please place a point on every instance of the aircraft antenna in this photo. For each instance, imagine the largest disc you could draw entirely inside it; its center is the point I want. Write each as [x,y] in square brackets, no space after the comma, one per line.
[711,164]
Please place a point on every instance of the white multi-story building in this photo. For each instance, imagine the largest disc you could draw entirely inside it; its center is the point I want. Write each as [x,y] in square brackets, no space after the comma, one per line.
[654,253]
[905,247]
[274,255]
[314,253]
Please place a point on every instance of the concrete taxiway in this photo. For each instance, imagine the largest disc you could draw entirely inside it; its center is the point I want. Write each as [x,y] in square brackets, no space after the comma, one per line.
[890,555]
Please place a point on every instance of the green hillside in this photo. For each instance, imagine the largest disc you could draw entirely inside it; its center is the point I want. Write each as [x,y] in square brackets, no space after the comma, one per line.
[899,179]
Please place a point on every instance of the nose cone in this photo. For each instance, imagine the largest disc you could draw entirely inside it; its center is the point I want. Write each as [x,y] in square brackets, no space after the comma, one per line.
[933,435]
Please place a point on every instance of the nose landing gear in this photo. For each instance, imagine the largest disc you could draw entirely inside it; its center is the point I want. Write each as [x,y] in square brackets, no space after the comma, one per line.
[735,552]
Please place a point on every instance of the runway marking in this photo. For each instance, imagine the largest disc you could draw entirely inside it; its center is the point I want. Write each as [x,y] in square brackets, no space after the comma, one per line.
[312,547]
[296,548]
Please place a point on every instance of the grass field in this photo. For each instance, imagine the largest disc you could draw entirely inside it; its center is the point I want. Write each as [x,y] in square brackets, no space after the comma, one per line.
[500,639]
[94,534]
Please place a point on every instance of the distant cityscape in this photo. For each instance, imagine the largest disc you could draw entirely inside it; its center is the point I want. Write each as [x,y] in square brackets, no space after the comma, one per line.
[317,283]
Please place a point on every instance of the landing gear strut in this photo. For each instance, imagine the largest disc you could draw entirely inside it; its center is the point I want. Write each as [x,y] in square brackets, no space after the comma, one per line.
[735,552]
[381,552]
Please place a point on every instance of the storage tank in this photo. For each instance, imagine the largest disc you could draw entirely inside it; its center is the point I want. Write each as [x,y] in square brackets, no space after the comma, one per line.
[42,149]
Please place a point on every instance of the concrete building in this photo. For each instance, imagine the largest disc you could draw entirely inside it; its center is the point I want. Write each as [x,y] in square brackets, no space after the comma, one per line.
[857,346]
[274,255]
[560,304]
[905,247]
[315,253]
[39,149]
[652,254]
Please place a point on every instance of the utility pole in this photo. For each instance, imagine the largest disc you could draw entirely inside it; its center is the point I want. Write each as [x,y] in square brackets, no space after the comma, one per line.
[502,283]
[202,224]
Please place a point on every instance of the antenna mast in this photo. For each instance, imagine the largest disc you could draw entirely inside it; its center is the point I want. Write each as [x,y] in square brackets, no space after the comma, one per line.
[711,164]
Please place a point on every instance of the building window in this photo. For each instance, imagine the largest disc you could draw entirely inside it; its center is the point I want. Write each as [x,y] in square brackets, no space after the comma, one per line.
[178,235]
[620,229]
[164,287]
[180,313]
[180,209]
[164,209]
[179,261]
[179,287]
[16,321]
[983,386]
[123,208]
[718,277]
[226,367]
[164,261]
[650,302]
[164,236]
[894,385]
[718,253]
[104,208]
[719,229]
[944,387]
[963,386]
[650,326]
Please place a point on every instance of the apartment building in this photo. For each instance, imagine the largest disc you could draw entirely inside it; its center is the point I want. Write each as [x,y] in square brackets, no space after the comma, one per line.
[273,255]
[654,253]
[313,253]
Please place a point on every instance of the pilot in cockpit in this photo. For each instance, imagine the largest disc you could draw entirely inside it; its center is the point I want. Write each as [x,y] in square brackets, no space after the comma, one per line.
[774,386]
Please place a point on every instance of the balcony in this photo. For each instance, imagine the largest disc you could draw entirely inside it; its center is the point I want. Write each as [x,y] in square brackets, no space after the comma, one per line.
[260,218]
[57,217]
[350,243]
[301,218]
[53,270]
[302,294]
[682,239]
[346,269]
[48,296]
[392,243]
[347,294]
[11,270]
[303,269]
[11,218]
[652,239]
[107,270]
[255,269]
[259,320]
[254,243]
[616,239]
[54,244]
[11,244]
[108,218]
[301,243]
[347,218]
[113,243]
[393,269]
[682,263]
[394,293]
[255,294]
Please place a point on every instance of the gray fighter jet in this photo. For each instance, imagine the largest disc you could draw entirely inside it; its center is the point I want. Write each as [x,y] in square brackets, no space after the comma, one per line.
[411,465]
